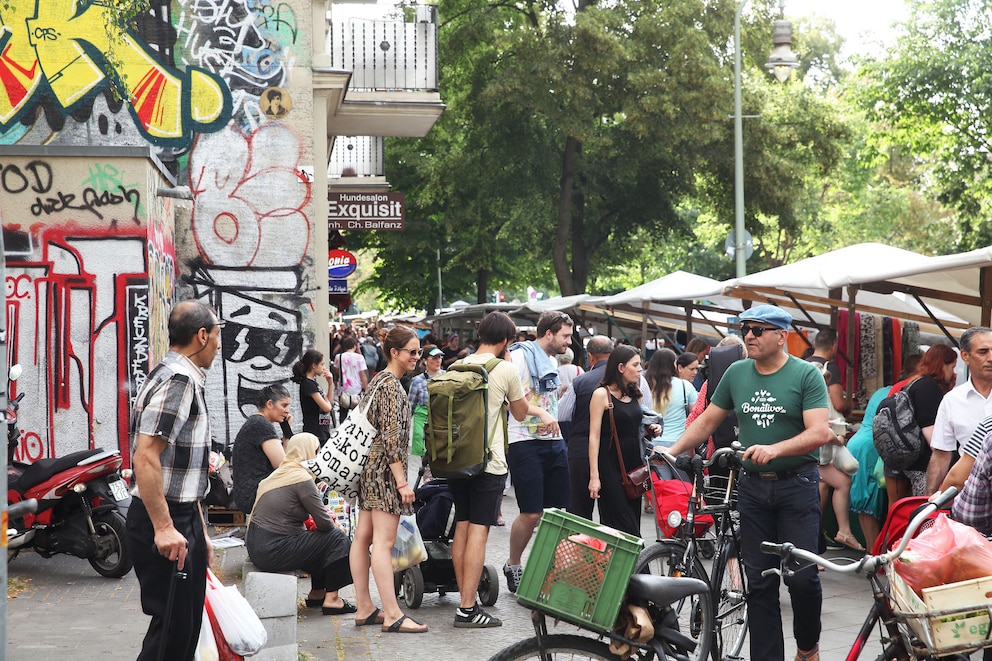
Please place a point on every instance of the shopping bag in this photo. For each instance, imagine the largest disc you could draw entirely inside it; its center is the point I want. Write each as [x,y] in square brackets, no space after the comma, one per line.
[224,651]
[206,646]
[946,552]
[339,462]
[241,628]
[409,548]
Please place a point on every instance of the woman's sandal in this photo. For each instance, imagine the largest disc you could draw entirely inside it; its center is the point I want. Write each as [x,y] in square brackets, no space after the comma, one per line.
[397,626]
[376,617]
[345,608]
[849,540]
[812,655]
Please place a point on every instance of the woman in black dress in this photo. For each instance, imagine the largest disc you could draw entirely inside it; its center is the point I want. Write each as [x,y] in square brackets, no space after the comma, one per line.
[618,395]
[316,405]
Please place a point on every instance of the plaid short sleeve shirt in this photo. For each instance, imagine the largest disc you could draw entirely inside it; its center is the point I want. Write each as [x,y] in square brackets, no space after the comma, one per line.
[170,404]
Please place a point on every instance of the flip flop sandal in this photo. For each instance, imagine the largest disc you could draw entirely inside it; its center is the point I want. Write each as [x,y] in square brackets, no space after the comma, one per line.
[375,618]
[850,541]
[345,608]
[397,626]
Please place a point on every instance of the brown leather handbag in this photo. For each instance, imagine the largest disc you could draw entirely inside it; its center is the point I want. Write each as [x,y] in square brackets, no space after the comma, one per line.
[637,482]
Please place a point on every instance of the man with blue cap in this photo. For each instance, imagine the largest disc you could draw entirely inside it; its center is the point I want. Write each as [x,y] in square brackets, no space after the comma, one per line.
[781,407]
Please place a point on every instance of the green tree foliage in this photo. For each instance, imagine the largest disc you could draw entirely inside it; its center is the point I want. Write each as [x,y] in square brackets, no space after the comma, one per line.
[592,149]
[931,96]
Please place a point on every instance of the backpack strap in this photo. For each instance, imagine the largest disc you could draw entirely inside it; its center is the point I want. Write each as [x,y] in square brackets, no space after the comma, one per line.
[490,366]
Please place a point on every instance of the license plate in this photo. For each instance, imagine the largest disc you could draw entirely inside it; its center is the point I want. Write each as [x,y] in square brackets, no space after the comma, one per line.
[119,490]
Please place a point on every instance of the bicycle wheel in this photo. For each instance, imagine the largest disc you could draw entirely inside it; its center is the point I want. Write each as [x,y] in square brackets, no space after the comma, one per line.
[666,557]
[731,601]
[560,647]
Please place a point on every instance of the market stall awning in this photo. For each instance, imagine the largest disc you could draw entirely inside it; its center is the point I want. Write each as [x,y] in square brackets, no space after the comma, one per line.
[676,286]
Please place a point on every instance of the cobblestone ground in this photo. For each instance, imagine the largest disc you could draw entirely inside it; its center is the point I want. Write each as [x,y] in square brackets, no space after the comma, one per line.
[65,610]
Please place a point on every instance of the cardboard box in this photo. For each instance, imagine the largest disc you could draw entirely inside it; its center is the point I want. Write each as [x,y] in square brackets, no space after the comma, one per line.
[966,627]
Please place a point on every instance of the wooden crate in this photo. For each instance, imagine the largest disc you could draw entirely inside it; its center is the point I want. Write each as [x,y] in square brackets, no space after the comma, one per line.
[967,625]
[221,516]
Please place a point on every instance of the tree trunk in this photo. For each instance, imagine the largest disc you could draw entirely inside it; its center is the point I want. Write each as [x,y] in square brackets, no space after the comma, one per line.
[482,286]
[580,256]
[566,200]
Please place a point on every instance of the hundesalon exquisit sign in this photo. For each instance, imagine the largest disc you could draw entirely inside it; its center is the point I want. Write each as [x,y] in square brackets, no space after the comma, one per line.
[365,211]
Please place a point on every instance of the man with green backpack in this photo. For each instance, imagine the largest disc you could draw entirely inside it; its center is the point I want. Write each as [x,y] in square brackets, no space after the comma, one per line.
[466,443]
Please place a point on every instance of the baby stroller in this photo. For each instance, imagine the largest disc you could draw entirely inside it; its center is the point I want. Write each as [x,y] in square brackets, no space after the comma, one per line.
[435,512]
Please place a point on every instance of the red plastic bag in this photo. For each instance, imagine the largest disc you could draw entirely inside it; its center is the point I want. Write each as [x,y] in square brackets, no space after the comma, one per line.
[947,552]
[224,651]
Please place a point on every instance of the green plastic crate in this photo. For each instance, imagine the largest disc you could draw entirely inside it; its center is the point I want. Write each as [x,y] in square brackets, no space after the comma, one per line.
[573,580]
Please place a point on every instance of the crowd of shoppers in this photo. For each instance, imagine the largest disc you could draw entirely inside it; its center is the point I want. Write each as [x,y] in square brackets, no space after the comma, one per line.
[571,435]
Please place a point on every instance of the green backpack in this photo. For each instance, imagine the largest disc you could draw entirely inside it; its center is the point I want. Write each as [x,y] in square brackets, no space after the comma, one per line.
[458,436]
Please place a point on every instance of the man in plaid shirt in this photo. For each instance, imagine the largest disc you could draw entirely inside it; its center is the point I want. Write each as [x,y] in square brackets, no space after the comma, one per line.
[973,505]
[170,450]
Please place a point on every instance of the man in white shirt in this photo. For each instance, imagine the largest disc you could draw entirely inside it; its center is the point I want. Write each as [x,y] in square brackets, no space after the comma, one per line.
[963,407]
[538,458]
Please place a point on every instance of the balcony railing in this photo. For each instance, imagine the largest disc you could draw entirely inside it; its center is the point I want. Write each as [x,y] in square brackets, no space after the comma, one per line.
[357,156]
[385,51]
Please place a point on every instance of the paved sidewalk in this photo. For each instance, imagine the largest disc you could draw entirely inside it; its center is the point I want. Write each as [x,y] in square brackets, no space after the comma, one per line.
[68,611]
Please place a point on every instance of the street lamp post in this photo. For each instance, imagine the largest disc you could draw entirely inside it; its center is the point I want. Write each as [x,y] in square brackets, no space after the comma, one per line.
[782,61]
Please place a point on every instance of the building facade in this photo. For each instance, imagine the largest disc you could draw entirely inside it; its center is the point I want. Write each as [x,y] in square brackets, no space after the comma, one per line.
[204,177]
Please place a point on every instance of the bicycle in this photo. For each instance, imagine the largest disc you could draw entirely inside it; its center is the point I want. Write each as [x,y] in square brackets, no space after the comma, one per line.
[571,569]
[693,540]
[905,634]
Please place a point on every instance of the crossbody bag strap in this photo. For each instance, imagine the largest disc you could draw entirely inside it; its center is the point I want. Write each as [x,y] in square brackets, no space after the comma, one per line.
[613,432]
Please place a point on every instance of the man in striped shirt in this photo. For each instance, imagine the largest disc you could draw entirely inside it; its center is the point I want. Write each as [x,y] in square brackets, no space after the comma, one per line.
[170,450]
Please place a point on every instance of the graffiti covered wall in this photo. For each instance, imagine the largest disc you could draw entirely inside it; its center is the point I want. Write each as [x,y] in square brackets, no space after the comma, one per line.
[219,92]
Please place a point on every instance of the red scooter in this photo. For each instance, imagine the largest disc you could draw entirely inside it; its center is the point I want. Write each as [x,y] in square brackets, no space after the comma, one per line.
[82,501]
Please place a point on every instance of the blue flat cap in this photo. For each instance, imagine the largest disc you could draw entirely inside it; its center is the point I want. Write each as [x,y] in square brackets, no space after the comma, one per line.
[769,314]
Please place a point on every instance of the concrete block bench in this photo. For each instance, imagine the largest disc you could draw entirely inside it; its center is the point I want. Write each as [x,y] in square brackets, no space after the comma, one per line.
[273,596]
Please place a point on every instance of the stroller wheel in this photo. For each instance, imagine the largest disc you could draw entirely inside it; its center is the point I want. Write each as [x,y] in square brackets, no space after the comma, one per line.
[489,586]
[413,587]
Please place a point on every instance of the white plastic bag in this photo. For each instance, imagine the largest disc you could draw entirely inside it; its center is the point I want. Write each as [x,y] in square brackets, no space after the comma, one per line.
[206,646]
[242,629]
[409,549]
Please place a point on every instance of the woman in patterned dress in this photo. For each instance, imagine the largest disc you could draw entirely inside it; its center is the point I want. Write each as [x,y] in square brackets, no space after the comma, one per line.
[384,493]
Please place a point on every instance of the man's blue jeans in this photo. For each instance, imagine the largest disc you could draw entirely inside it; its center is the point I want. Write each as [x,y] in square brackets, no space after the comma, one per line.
[784,510]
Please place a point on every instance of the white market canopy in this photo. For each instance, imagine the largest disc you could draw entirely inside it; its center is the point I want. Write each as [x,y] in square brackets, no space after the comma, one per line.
[676,286]
[937,291]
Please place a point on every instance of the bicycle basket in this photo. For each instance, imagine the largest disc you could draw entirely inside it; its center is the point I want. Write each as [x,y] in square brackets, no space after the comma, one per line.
[578,570]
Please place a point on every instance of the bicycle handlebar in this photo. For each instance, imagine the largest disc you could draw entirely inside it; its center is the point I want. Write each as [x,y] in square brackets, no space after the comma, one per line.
[723,458]
[869,563]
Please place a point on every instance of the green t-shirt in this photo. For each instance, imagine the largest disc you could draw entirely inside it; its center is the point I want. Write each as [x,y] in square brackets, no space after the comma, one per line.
[770,407]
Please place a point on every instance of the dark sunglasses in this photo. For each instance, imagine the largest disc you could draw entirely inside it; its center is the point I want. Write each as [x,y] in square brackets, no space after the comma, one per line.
[413,352]
[755,330]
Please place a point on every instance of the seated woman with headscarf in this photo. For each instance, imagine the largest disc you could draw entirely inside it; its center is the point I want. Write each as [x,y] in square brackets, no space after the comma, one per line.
[278,540]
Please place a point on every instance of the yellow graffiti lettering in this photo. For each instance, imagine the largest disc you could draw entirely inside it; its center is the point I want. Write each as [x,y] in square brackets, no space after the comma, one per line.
[55,41]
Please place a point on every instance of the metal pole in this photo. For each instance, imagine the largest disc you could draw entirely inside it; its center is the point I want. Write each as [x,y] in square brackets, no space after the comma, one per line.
[739,254]
[3,474]
[440,294]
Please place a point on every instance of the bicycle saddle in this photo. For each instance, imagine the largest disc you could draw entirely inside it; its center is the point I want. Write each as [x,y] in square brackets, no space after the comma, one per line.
[663,590]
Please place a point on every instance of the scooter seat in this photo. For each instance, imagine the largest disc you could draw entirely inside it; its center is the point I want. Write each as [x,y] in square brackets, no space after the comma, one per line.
[43,469]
